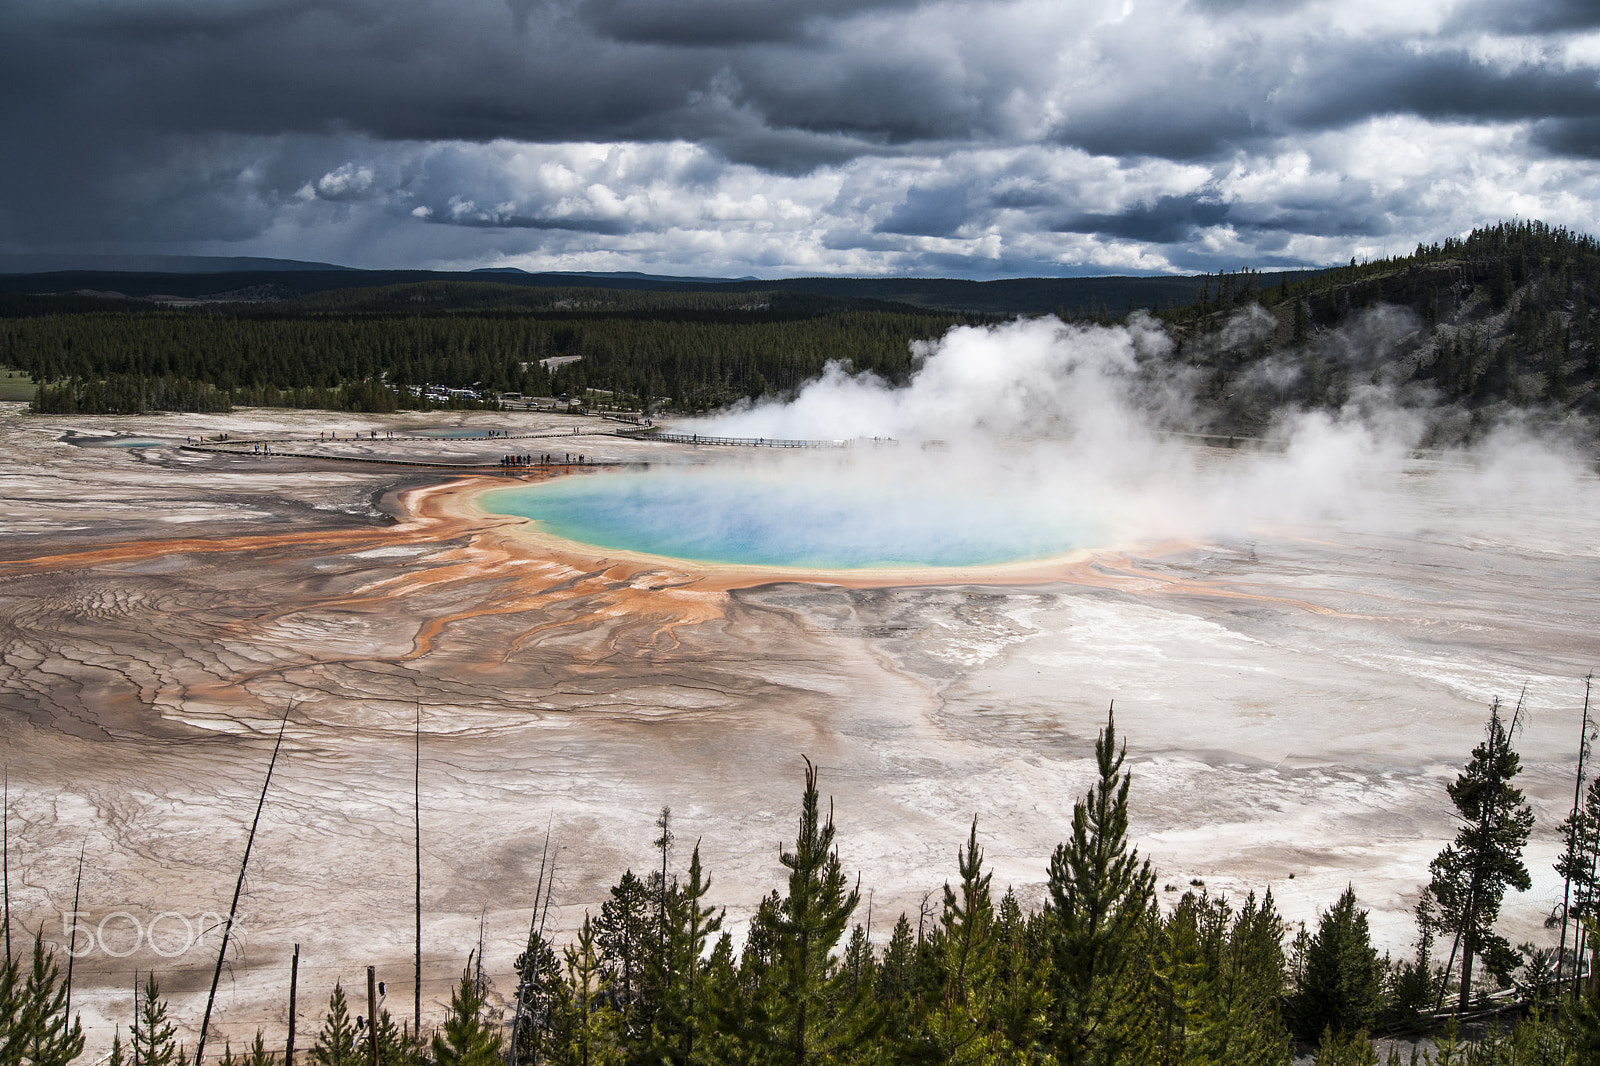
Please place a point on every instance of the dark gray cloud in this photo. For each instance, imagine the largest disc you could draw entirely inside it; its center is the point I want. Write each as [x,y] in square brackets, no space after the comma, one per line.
[702,23]
[1169,220]
[1569,136]
[1177,127]
[787,135]
[936,212]
[1529,16]
[1450,85]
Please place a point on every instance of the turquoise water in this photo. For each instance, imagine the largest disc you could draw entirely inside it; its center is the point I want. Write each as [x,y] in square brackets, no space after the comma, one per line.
[454,434]
[134,444]
[754,520]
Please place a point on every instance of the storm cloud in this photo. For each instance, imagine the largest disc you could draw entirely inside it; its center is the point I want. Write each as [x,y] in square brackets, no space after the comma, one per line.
[781,137]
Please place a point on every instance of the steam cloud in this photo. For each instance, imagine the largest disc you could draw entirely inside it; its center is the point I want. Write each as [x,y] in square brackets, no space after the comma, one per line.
[1092,426]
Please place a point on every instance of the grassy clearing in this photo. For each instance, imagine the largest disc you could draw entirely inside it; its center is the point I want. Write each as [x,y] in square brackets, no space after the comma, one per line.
[15,385]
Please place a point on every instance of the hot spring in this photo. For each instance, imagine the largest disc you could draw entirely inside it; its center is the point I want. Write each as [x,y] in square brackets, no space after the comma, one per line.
[754,517]
[455,433]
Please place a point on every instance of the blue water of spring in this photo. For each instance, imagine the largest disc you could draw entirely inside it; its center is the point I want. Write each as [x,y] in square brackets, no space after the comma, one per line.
[751,518]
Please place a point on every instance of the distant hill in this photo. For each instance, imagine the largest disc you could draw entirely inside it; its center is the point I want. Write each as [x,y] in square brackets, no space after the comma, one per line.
[500,293]
[603,275]
[634,275]
[1009,296]
[1029,296]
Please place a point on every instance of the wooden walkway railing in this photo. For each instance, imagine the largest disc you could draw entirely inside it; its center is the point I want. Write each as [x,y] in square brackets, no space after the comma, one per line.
[287,447]
[737,442]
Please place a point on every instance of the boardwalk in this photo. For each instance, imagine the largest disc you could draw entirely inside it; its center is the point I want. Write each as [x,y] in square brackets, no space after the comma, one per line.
[294,447]
[738,442]
[496,467]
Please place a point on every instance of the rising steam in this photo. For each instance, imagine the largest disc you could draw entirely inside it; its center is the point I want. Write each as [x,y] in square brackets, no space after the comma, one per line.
[1094,424]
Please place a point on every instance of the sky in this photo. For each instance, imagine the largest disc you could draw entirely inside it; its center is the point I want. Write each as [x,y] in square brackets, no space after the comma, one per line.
[774,138]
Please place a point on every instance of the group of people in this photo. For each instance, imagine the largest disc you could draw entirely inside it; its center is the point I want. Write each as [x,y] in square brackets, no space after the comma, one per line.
[543,460]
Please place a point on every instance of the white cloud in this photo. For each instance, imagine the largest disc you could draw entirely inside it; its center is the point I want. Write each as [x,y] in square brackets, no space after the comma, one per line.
[350,181]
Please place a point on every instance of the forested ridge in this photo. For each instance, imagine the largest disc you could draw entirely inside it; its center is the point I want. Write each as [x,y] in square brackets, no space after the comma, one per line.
[1110,971]
[1502,320]
[695,350]
[1007,296]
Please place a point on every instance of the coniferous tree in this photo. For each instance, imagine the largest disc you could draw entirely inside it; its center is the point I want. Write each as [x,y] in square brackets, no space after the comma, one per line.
[722,986]
[466,1039]
[802,1008]
[11,1035]
[258,1055]
[37,1031]
[1555,370]
[684,1007]
[255,1053]
[859,959]
[1471,876]
[961,1024]
[1181,989]
[1342,988]
[1412,983]
[395,1045]
[1581,1020]
[1219,977]
[1353,1049]
[1022,961]
[760,943]
[894,985]
[661,884]
[1252,991]
[627,938]
[538,989]
[586,1031]
[336,1042]
[1101,899]
[153,1039]
[1580,833]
